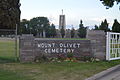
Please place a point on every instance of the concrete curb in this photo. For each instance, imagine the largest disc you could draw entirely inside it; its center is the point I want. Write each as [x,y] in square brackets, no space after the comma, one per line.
[102,73]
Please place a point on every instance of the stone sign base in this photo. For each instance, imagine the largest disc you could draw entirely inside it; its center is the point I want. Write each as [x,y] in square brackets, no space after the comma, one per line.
[32,48]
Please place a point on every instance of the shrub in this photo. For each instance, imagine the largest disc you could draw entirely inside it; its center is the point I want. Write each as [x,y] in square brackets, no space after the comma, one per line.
[85,58]
[61,57]
[41,58]
[70,55]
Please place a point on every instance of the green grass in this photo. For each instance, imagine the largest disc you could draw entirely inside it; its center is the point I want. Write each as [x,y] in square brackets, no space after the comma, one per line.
[10,70]
[68,38]
[8,75]
[53,71]
[7,50]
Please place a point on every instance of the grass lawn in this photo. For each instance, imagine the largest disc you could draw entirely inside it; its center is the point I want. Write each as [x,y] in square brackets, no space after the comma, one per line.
[52,71]
[7,50]
[66,38]
[10,70]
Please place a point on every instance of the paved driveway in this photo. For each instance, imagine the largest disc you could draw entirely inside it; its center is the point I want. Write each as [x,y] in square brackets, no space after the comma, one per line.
[109,74]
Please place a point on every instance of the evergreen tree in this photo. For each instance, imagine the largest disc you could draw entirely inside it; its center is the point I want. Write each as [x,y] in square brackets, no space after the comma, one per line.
[96,27]
[82,30]
[101,27]
[72,33]
[104,26]
[51,31]
[62,31]
[116,26]
[24,27]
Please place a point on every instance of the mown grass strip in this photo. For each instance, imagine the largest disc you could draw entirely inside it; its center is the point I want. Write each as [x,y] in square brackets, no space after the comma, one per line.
[9,75]
[57,71]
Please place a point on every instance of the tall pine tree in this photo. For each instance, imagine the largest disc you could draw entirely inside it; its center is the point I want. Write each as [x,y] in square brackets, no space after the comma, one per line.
[96,27]
[62,31]
[82,30]
[52,31]
[104,26]
[72,32]
[116,26]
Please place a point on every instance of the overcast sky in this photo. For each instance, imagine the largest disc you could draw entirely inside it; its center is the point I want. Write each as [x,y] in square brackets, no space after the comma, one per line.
[90,11]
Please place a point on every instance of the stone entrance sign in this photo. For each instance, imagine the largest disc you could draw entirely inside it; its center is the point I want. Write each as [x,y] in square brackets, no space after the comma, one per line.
[56,46]
[94,46]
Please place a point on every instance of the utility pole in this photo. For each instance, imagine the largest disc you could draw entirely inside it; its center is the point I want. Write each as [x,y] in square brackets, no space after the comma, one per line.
[16,43]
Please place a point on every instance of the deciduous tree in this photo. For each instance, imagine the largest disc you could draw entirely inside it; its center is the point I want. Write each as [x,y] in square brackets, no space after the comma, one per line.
[24,27]
[110,3]
[39,25]
[9,14]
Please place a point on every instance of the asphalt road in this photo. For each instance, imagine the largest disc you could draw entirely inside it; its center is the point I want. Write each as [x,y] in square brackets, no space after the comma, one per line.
[109,74]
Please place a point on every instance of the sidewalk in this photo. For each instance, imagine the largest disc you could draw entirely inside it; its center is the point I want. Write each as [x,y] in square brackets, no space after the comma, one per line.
[109,74]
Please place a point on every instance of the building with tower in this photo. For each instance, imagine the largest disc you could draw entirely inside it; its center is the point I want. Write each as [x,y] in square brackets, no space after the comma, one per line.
[62,22]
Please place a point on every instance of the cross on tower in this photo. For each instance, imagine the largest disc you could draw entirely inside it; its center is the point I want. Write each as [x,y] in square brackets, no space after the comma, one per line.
[62,11]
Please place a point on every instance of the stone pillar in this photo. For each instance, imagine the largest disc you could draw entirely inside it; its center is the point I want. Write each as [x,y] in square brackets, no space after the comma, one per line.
[27,48]
[98,43]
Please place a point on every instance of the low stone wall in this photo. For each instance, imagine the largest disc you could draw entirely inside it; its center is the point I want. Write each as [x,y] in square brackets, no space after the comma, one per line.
[31,47]
[98,43]
[27,49]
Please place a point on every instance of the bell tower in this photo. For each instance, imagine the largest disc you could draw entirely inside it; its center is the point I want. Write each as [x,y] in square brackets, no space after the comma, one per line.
[62,22]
